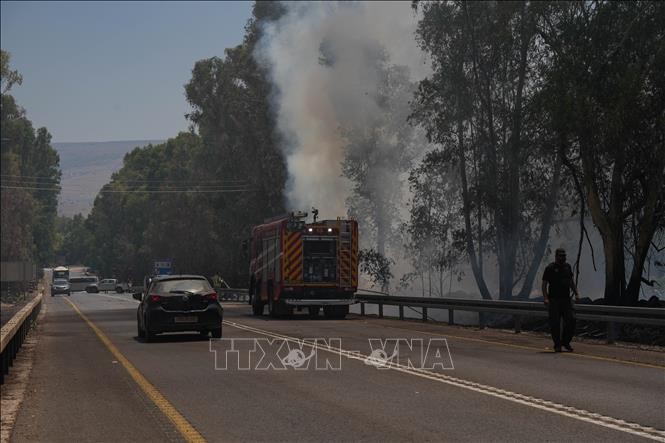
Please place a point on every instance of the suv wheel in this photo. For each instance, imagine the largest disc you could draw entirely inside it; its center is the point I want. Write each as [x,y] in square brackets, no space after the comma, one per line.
[148,334]
[217,333]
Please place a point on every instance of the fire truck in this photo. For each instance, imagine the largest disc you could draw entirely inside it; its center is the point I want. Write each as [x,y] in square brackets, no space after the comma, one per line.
[296,265]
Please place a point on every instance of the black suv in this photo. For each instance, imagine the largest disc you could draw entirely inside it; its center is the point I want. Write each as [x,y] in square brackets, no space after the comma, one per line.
[177,303]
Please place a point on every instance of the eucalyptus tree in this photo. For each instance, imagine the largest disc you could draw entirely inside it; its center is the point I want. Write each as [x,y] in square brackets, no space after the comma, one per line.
[607,92]
[481,106]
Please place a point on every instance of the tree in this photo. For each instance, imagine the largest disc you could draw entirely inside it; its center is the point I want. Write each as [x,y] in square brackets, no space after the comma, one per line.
[74,239]
[230,98]
[376,266]
[195,198]
[377,153]
[30,180]
[609,89]
[8,77]
[481,105]
[434,227]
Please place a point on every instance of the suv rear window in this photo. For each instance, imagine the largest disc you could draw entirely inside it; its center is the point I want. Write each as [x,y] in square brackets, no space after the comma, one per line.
[181,285]
[59,281]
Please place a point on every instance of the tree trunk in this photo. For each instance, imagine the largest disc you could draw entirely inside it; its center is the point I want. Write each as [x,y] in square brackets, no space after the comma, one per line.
[470,249]
[615,279]
[512,201]
[381,237]
[611,235]
[546,225]
[645,233]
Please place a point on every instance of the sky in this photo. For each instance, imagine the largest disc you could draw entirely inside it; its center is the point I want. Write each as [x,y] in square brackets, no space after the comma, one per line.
[101,71]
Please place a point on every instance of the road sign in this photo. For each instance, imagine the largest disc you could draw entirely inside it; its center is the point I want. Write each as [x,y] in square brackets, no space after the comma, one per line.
[163,267]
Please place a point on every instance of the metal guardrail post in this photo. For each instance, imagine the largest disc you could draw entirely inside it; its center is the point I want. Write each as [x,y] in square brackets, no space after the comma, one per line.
[451,317]
[362,309]
[518,323]
[424,314]
[401,312]
[481,320]
[380,310]
[611,332]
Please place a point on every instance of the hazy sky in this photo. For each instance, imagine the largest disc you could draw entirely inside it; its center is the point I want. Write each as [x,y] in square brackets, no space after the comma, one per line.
[98,71]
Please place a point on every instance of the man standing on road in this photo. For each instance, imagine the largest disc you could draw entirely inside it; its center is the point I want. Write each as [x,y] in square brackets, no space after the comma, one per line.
[557,283]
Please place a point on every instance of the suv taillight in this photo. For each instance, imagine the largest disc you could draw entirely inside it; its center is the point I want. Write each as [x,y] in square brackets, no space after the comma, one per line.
[155,298]
[211,296]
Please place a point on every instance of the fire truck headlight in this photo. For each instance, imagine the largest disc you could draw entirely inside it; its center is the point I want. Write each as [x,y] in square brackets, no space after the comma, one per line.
[329,229]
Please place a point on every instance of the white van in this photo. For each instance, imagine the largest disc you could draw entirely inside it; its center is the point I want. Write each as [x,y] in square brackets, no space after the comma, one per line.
[113,284]
[80,283]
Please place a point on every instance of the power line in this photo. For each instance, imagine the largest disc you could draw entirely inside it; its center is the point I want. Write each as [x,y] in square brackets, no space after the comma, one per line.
[132,191]
[37,178]
[27,184]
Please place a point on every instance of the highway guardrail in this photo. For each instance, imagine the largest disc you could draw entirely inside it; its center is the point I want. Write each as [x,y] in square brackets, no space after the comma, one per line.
[232,294]
[611,315]
[14,332]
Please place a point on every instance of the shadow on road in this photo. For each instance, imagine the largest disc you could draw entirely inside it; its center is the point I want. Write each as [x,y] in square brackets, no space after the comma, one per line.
[174,338]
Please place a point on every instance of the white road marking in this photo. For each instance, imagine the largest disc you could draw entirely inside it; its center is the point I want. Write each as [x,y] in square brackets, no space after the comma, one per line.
[545,405]
[556,408]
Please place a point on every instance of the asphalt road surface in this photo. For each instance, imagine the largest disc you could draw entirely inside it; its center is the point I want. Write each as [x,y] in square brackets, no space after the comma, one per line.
[93,380]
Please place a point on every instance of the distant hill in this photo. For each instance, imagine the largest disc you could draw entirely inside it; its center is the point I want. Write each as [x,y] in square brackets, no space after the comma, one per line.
[86,167]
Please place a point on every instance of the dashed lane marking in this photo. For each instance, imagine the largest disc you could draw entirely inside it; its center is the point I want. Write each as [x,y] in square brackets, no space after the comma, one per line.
[533,348]
[534,402]
[575,354]
[186,429]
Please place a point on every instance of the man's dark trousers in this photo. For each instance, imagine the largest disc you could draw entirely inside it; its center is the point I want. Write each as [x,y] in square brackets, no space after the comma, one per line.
[561,308]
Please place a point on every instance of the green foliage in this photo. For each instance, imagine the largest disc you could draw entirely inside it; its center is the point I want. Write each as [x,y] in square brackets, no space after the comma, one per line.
[376,266]
[8,77]
[606,91]
[435,229]
[482,105]
[233,168]
[30,181]
[74,241]
[378,151]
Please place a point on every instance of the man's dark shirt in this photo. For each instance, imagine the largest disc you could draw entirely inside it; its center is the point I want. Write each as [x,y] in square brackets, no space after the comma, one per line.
[559,278]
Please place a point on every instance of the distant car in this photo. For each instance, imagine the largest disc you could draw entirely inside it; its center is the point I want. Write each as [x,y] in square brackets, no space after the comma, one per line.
[60,286]
[113,284]
[83,283]
[178,303]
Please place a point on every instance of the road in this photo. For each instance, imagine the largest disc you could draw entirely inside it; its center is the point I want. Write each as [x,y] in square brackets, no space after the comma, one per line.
[93,380]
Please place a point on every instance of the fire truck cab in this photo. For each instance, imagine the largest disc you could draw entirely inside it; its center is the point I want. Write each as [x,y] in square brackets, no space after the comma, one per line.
[294,264]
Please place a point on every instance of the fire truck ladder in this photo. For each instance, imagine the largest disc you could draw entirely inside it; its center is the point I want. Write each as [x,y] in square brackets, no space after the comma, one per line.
[345,254]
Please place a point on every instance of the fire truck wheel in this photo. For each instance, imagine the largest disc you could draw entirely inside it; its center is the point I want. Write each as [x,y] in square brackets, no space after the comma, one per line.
[335,312]
[257,307]
[278,309]
[272,308]
[314,311]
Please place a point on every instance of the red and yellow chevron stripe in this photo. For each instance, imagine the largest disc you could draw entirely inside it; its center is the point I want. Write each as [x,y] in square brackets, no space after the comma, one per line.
[292,257]
[354,253]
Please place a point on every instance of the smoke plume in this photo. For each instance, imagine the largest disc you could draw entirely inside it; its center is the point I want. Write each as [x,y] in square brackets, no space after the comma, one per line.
[319,55]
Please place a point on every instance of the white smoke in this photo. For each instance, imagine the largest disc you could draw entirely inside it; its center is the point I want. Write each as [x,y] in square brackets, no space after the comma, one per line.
[313,100]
